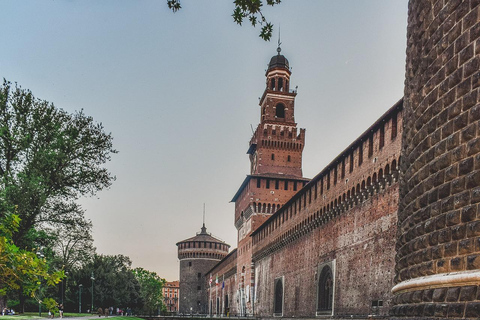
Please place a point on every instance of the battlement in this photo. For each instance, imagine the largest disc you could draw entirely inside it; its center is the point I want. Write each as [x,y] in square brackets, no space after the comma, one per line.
[366,167]
[279,136]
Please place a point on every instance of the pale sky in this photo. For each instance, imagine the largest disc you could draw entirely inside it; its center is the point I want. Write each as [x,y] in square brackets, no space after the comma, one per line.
[179,92]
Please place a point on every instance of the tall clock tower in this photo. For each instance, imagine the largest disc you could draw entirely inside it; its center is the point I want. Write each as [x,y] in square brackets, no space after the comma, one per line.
[276,147]
[275,152]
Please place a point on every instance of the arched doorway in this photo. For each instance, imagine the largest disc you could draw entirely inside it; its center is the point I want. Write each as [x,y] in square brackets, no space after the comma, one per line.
[278,298]
[325,290]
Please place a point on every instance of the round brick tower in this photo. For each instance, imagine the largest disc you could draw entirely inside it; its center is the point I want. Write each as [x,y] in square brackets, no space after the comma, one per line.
[438,244]
[197,255]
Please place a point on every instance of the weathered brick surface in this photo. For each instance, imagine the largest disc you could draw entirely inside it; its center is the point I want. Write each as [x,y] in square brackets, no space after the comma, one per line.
[222,294]
[360,241]
[345,216]
[440,153]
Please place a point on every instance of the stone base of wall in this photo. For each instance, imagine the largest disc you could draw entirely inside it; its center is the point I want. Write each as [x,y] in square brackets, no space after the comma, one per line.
[453,302]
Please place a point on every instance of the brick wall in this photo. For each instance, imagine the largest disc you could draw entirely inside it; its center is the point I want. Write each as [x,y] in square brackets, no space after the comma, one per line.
[226,290]
[438,261]
[346,217]
[360,241]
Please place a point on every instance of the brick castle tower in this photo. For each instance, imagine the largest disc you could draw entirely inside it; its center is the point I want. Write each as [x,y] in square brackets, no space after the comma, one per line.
[438,246]
[197,255]
[275,173]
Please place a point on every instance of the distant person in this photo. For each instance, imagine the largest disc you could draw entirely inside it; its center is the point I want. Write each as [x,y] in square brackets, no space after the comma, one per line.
[106,312]
[100,312]
[60,310]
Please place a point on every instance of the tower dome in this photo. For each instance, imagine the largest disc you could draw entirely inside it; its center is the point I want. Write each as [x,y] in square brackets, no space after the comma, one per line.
[278,61]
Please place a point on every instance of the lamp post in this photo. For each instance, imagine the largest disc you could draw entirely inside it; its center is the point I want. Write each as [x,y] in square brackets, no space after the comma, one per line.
[93,280]
[80,298]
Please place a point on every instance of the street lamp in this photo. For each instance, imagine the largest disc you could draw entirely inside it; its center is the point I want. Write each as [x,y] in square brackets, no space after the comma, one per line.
[80,298]
[93,279]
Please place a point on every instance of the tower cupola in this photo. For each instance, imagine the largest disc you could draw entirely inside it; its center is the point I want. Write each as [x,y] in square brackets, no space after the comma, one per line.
[278,73]
[278,61]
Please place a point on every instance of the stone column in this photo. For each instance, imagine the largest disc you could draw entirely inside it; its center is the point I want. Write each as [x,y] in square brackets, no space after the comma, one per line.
[438,244]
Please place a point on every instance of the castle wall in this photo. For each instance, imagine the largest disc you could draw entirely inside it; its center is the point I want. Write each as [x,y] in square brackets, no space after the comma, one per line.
[345,218]
[226,290]
[258,200]
[360,244]
[438,260]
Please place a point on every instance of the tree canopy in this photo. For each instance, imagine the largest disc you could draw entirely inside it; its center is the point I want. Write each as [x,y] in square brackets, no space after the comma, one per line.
[114,284]
[20,268]
[150,289]
[48,158]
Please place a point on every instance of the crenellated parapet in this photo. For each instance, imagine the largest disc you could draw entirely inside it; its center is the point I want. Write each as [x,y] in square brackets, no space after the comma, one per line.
[367,167]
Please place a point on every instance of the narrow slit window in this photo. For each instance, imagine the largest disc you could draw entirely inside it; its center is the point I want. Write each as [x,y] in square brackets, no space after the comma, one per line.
[335,174]
[351,162]
[370,146]
[382,137]
[360,154]
[394,126]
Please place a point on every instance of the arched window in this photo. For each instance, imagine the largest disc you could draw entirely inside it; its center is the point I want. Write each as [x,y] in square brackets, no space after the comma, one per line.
[280,84]
[325,290]
[272,84]
[278,302]
[280,111]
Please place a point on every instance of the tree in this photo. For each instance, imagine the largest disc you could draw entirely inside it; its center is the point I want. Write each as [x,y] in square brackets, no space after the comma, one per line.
[115,284]
[20,268]
[48,159]
[244,9]
[73,247]
[150,289]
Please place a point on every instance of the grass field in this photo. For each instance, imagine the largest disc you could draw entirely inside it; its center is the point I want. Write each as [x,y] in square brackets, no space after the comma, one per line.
[33,316]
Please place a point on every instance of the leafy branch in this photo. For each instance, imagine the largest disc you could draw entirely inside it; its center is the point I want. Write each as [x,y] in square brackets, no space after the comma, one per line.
[244,9]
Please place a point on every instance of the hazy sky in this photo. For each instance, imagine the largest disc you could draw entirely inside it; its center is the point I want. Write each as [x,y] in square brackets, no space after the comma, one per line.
[180,91]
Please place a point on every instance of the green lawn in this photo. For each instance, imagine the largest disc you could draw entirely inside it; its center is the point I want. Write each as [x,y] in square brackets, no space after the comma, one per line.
[34,315]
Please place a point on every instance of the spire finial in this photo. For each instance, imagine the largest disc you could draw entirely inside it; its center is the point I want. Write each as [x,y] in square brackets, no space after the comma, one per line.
[279,43]
[204,229]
